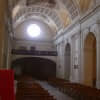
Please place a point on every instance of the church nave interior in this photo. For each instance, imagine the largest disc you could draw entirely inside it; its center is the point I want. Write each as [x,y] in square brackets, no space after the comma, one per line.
[50,49]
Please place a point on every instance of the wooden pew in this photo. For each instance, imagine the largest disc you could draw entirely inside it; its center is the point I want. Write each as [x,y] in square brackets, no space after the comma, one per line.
[75,90]
[27,89]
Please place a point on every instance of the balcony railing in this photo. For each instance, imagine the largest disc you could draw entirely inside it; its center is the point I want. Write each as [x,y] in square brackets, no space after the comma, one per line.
[34,52]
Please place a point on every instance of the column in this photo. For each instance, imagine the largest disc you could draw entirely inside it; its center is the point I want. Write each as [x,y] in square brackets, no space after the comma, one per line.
[3,8]
[98,57]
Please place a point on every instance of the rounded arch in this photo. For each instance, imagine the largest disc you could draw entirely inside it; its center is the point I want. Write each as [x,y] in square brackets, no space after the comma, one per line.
[90,60]
[52,58]
[37,10]
[67,60]
[36,67]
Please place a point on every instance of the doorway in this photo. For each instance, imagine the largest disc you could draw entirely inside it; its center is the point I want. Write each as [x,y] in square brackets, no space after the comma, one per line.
[90,60]
[67,61]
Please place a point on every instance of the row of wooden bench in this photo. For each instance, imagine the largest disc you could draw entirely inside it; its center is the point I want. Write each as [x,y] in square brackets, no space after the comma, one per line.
[75,90]
[29,90]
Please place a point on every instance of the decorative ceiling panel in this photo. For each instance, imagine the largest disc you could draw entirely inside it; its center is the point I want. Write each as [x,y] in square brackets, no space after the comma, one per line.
[51,14]
[32,2]
[85,5]
[71,8]
[46,31]
[57,14]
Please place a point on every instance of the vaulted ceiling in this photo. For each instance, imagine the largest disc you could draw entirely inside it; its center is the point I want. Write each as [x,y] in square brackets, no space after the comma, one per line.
[54,14]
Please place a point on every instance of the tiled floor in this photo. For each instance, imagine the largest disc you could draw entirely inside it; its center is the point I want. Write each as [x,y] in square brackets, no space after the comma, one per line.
[55,92]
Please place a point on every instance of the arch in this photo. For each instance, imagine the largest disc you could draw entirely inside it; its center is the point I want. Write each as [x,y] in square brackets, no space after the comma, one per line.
[90,60]
[36,67]
[40,10]
[67,60]
[52,58]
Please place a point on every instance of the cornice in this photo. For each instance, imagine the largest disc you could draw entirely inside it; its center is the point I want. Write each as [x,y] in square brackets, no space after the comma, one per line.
[79,20]
[69,28]
[34,41]
[90,14]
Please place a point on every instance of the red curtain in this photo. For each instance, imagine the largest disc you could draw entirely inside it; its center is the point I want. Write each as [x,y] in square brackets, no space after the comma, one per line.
[7,85]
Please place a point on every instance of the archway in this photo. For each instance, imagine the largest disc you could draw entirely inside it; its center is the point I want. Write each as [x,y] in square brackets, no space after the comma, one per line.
[67,61]
[90,60]
[36,67]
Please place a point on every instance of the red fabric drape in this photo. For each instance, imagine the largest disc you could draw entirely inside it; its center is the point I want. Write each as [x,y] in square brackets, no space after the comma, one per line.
[7,85]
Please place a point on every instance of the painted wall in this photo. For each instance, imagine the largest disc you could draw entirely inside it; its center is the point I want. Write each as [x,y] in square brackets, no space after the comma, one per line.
[75,35]
[41,46]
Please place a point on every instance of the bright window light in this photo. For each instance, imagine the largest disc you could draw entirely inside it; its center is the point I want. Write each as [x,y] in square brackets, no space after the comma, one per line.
[33,30]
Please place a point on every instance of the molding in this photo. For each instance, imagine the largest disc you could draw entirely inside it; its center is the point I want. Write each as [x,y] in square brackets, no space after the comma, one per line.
[68,29]
[51,13]
[89,14]
[79,20]
[34,41]
[34,52]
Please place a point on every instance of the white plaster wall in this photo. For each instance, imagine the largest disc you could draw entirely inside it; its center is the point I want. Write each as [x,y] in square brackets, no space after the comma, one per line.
[76,58]
[60,61]
[91,25]
[98,57]
[76,36]
[41,46]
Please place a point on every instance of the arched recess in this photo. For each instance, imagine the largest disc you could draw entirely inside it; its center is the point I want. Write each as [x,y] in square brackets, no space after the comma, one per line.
[36,67]
[67,60]
[90,60]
